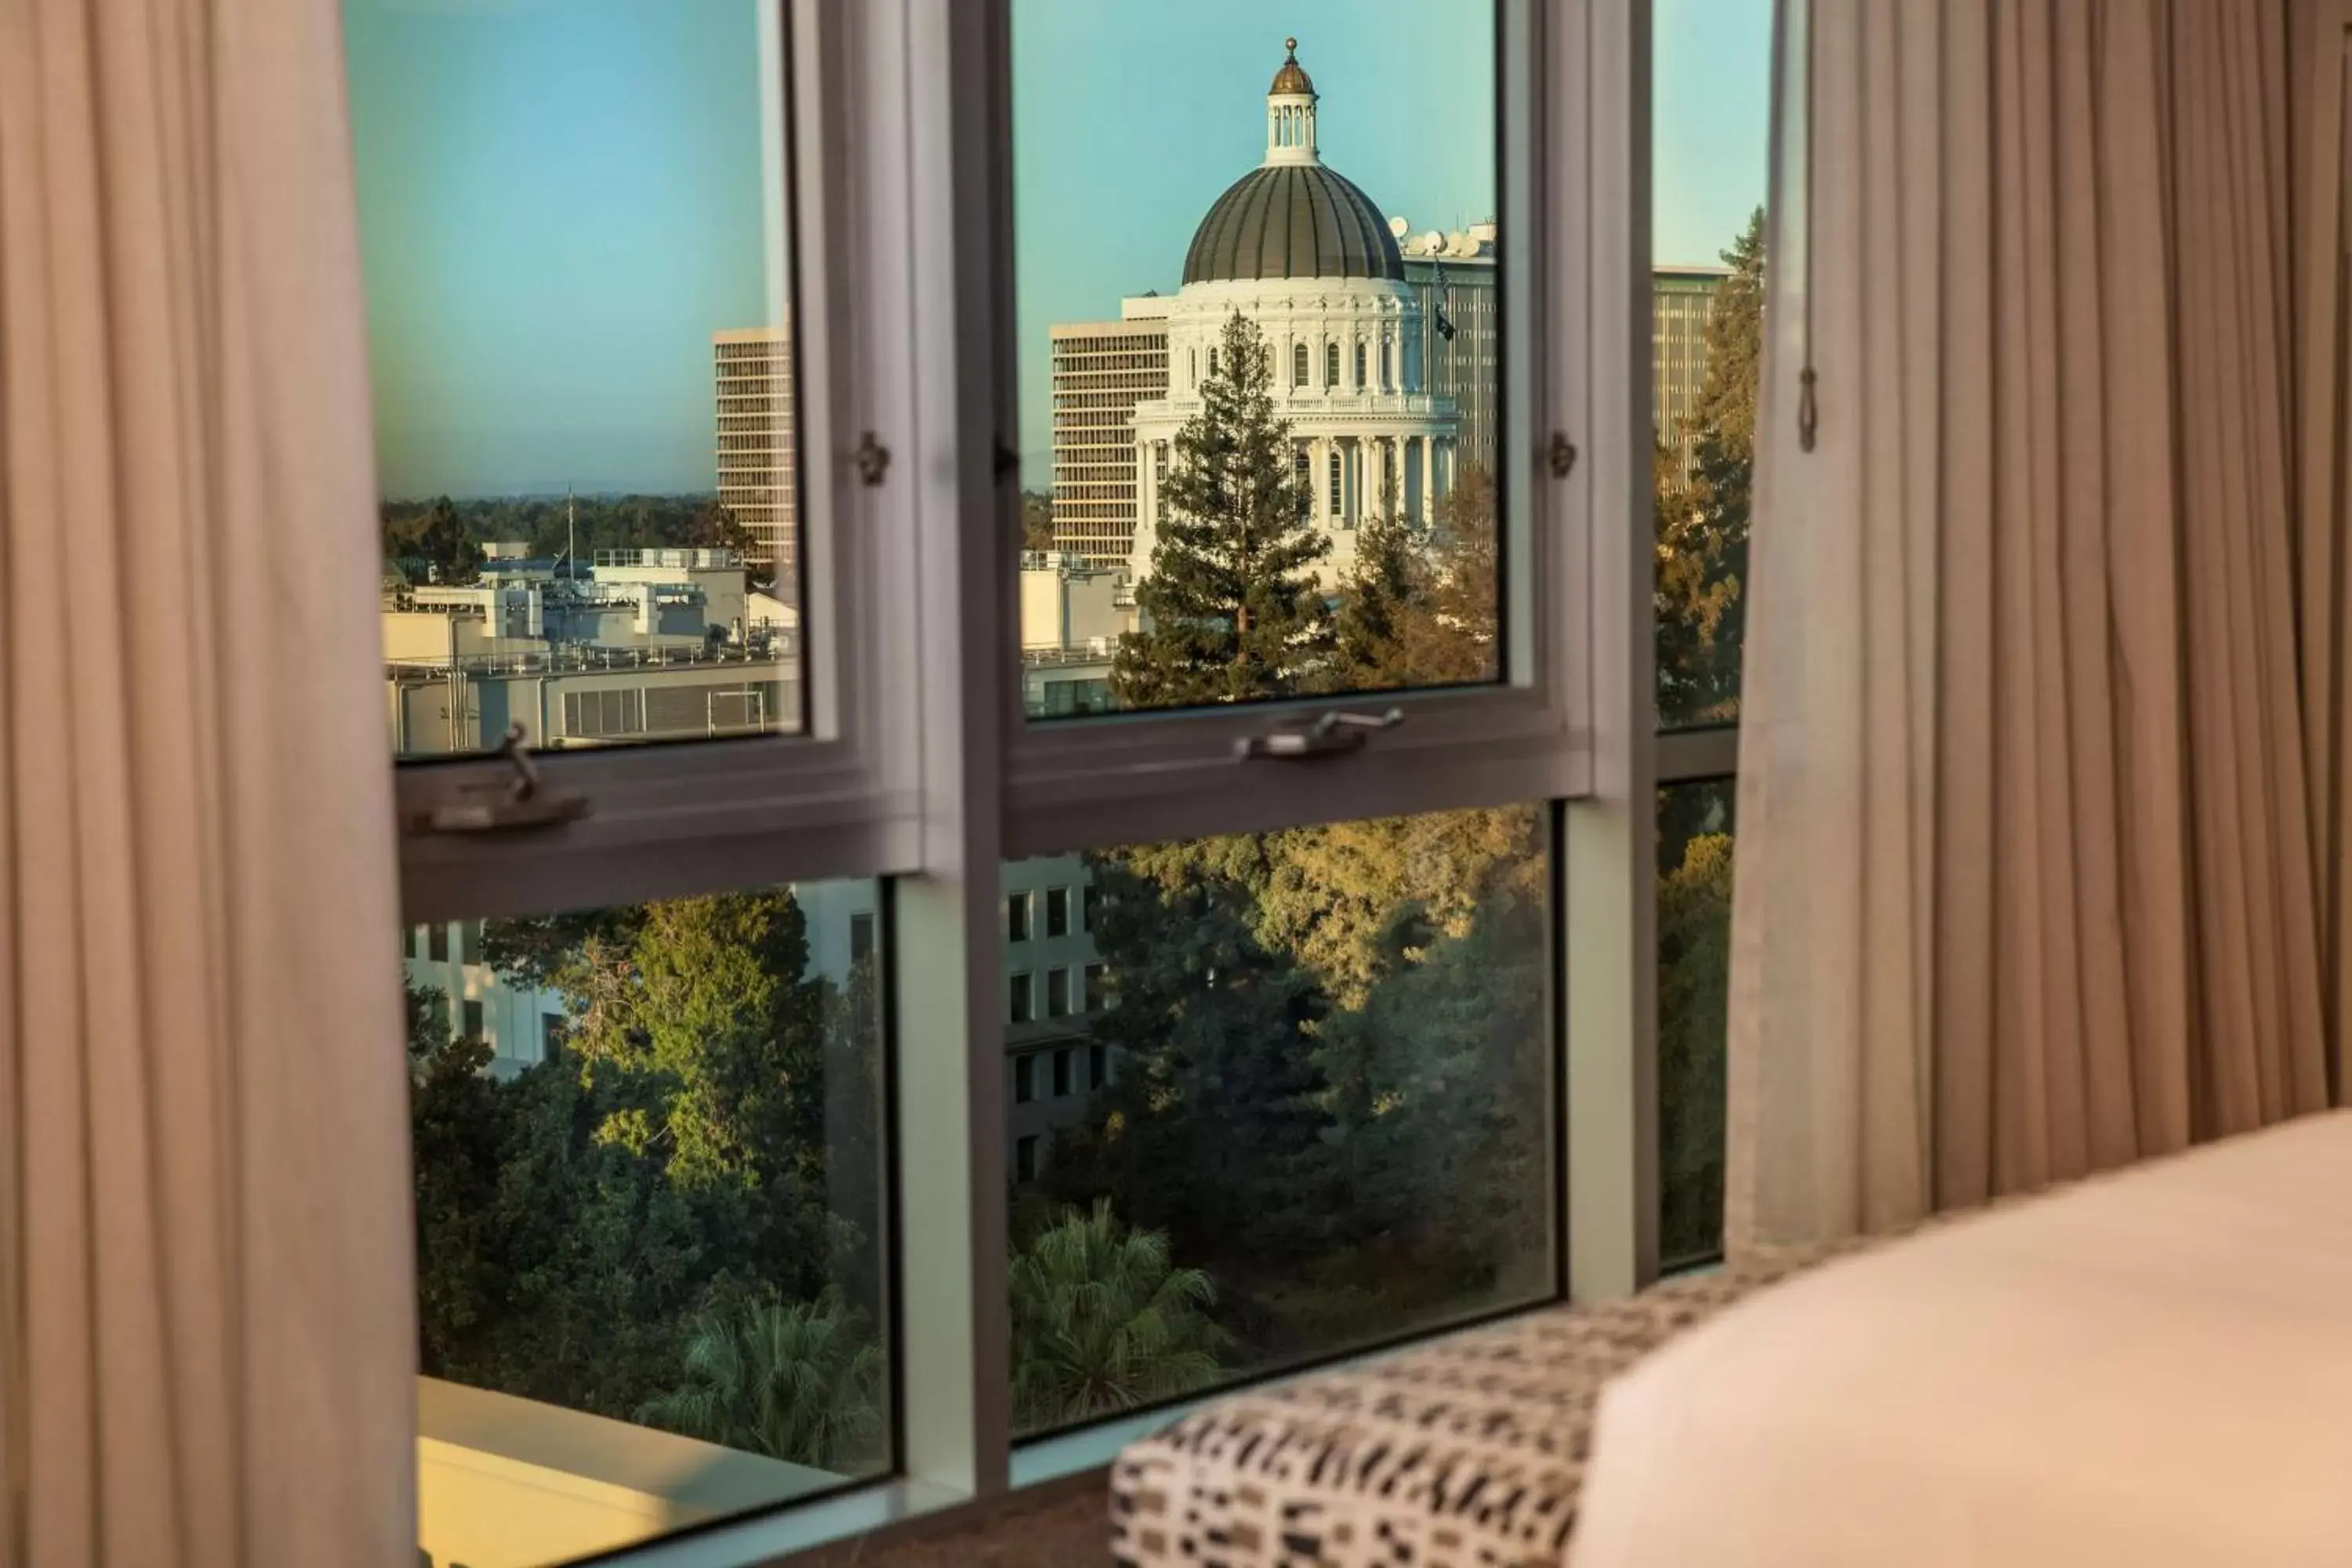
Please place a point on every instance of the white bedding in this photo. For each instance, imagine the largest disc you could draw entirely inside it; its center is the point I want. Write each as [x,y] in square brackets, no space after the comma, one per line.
[2152,1368]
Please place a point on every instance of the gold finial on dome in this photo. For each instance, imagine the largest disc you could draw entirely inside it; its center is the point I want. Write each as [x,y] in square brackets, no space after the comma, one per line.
[1292,79]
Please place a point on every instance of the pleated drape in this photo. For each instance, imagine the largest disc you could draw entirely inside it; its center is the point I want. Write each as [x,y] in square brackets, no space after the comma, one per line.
[2026,872]
[206,1325]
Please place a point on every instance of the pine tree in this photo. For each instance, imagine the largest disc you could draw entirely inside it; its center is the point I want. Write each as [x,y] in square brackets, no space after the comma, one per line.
[1231,607]
[1703,526]
[1375,602]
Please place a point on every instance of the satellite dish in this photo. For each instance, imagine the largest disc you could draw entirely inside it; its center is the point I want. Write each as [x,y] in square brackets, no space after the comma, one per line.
[1399,227]
[1433,243]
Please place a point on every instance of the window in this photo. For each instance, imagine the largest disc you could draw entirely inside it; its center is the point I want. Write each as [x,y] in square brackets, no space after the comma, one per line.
[1708,243]
[1695,873]
[660,1219]
[1268,973]
[528,559]
[438,937]
[1299,364]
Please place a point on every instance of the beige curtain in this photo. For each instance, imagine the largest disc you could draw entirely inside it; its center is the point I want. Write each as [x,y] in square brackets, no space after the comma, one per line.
[206,1333]
[2026,874]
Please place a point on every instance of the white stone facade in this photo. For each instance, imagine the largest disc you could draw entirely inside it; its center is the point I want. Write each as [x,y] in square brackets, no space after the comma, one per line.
[1347,376]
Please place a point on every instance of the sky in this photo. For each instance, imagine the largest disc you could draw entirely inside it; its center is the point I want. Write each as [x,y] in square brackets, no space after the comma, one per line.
[560,200]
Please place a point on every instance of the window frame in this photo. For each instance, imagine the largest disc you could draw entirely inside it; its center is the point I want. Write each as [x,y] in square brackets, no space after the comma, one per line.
[841,798]
[1081,780]
[919,767]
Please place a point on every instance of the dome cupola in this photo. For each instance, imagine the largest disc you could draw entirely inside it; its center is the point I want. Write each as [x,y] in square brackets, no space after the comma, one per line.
[1292,216]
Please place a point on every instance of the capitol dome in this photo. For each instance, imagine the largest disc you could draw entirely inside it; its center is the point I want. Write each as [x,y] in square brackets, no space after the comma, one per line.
[1291,216]
[1293,221]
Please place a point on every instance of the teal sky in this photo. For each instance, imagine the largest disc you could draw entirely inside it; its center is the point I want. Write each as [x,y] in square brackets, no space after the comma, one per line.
[560,200]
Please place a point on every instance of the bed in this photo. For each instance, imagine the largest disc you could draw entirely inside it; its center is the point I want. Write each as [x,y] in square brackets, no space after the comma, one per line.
[2153,1367]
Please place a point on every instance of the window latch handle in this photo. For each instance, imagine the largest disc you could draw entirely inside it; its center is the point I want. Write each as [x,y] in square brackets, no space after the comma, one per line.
[1335,734]
[522,799]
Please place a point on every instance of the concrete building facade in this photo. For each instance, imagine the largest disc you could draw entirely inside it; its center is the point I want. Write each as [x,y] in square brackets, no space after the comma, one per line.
[1101,370]
[757,444]
[1682,303]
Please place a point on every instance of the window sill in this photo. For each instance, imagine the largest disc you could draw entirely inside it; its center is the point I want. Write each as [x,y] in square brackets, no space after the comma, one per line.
[906,1509]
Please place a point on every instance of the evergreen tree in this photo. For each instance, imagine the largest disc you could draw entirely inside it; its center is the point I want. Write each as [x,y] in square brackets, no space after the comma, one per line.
[1215,1129]
[1377,599]
[1230,607]
[1703,526]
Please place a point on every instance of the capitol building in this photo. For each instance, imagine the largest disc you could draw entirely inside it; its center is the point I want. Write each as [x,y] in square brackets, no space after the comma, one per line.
[1382,342]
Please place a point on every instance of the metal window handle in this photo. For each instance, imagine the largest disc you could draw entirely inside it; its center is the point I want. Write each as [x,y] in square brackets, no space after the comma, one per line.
[1335,734]
[524,799]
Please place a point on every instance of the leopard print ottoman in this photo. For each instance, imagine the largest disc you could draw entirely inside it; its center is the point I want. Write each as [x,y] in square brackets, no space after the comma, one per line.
[1465,1453]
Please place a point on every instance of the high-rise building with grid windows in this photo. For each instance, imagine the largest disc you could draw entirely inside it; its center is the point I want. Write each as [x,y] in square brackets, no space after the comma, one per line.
[1682,302]
[1101,370]
[753,371]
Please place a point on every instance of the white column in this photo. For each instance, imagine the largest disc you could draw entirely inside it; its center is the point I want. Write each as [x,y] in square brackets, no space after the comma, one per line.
[1429,478]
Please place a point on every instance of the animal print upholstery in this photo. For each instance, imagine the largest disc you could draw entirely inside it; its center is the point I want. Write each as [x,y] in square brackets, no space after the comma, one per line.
[1467,1452]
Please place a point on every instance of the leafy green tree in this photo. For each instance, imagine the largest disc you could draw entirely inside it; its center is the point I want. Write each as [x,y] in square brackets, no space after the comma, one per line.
[714,527]
[1702,553]
[1693,971]
[799,1381]
[1037,521]
[441,539]
[1230,607]
[707,1008]
[1104,1320]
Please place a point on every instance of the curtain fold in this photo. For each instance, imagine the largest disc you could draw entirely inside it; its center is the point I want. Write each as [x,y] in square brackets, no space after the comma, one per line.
[2026,878]
[206,1331]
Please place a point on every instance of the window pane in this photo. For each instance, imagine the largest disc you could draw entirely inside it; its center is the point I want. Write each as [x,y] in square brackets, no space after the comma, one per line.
[1016,917]
[580,326]
[1058,911]
[1316,1117]
[1710,119]
[1221,501]
[650,1252]
[1695,866]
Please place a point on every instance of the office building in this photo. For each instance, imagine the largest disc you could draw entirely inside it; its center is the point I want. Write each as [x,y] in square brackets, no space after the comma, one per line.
[1682,302]
[1101,370]
[753,370]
